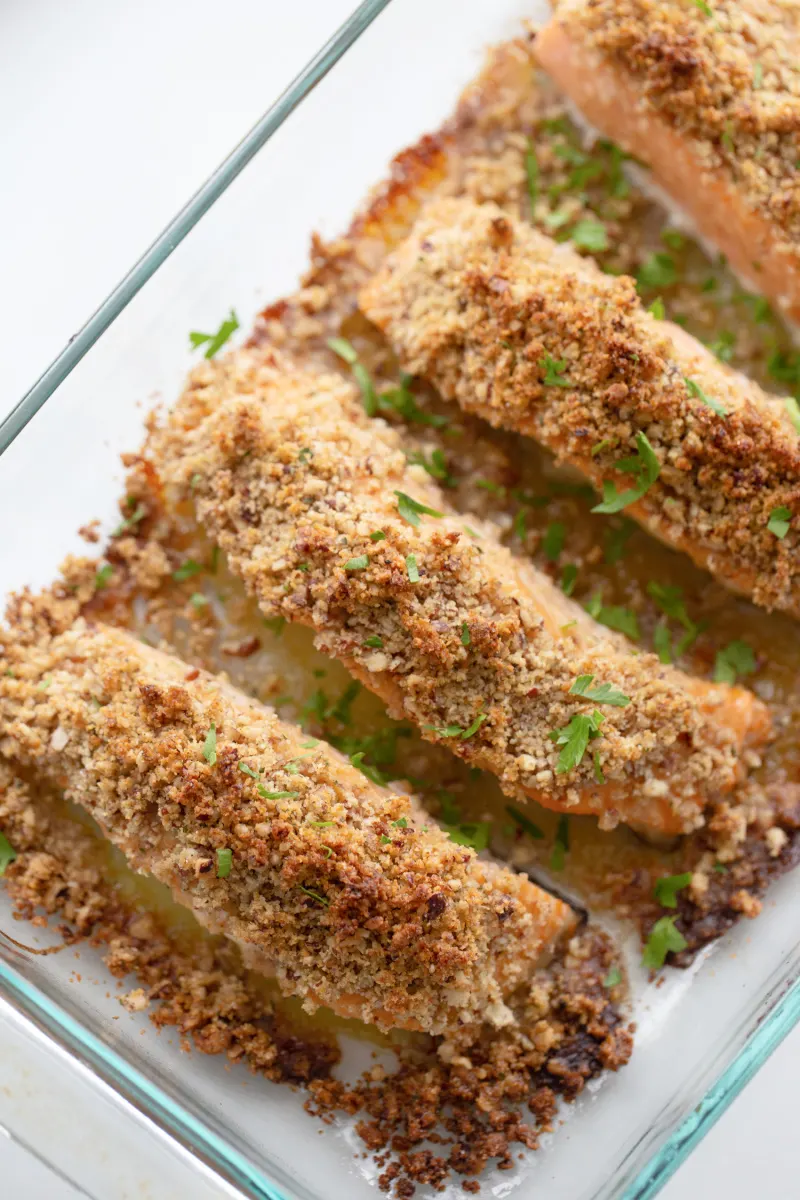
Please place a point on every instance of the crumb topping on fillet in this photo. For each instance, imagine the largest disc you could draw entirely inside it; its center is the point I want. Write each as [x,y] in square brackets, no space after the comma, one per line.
[479,304]
[317,873]
[725,75]
[303,493]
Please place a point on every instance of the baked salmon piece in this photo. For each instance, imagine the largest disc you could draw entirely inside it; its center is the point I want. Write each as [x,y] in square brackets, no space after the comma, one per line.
[323,519]
[534,338]
[708,97]
[325,880]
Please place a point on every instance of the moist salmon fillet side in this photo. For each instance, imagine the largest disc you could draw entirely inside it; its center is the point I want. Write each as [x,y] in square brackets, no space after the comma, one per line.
[708,97]
[532,337]
[334,885]
[327,524]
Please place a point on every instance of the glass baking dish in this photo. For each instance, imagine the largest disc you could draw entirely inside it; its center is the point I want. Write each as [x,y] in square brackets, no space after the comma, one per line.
[242,240]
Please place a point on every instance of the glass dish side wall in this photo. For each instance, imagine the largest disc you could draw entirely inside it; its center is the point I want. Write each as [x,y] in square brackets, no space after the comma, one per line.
[248,248]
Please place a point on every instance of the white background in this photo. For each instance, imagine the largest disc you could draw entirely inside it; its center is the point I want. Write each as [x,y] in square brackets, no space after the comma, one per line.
[112,115]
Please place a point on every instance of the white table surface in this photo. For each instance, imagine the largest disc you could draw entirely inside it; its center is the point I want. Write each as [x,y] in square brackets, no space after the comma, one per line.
[112,114]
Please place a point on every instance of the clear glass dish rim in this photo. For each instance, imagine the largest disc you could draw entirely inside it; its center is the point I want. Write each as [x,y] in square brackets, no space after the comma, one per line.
[127,1081]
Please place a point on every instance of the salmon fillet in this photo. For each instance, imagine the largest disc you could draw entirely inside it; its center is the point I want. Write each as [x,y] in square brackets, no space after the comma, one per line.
[325,522]
[532,337]
[332,884]
[708,97]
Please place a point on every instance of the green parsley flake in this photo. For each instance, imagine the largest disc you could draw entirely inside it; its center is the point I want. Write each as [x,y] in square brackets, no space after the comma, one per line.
[373,642]
[673,238]
[532,174]
[7,853]
[187,570]
[736,659]
[664,938]
[616,540]
[723,346]
[645,468]
[758,75]
[667,888]
[553,372]
[613,978]
[198,600]
[224,863]
[305,455]
[558,857]
[402,401]
[385,841]
[657,271]
[377,536]
[569,578]
[474,834]
[614,616]
[136,516]
[574,739]
[457,730]
[401,823]
[779,521]
[348,352]
[465,634]
[657,310]
[793,409]
[436,466]
[697,393]
[518,525]
[410,509]
[357,564]
[662,643]
[215,341]
[247,770]
[323,900]
[262,791]
[606,693]
[554,538]
[598,768]
[524,822]
[210,745]
[590,235]
[670,600]
[412,569]
[103,575]
[606,444]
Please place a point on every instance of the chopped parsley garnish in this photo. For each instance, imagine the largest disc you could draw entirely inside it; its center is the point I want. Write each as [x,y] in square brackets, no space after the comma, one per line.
[657,271]
[401,823]
[323,900]
[614,616]
[697,393]
[377,536]
[45,683]
[554,372]
[736,659]
[224,863]
[489,485]
[210,745]
[723,346]
[664,937]
[662,642]
[457,730]
[373,642]
[569,578]
[103,575]
[645,468]
[436,466]
[347,351]
[7,853]
[590,235]
[670,600]
[136,516]
[784,365]
[412,570]
[606,444]
[474,834]
[357,564]
[247,770]
[758,75]
[720,868]
[385,841]
[187,570]
[322,824]
[532,174]
[598,768]
[613,978]
[574,739]
[704,8]
[605,693]
[673,238]
[558,857]
[215,341]
[410,509]
[793,409]
[519,524]
[275,625]
[553,542]
[667,888]
[401,399]
[465,634]
[525,823]
[198,600]
[616,540]
[275,795]
[657,310]
[779,521]
[303,566]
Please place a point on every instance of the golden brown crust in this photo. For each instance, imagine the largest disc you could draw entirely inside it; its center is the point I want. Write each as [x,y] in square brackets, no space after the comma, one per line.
[291,478]
[332,881]
[726,76]
[474,301]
